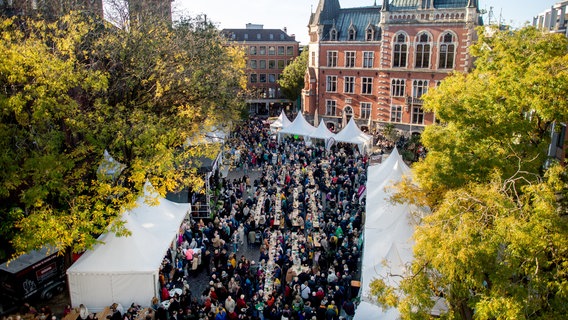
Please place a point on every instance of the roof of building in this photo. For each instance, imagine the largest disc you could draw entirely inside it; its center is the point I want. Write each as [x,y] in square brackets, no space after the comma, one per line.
[357,18]
[397,5]
[257,35]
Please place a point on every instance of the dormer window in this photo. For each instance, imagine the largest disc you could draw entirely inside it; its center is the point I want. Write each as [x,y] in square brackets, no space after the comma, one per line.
[370,34]
[258,36]
[333,35]
[352,33]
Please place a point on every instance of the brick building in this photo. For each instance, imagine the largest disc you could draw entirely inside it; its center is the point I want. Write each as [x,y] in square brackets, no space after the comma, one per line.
[374,63]
[268,52]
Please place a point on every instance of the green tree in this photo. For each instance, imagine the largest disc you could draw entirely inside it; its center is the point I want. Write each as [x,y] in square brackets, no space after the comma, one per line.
[76,87]
[292,79]
[494,245]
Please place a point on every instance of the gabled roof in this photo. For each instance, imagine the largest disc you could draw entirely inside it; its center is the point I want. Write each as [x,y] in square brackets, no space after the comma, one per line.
[257,35]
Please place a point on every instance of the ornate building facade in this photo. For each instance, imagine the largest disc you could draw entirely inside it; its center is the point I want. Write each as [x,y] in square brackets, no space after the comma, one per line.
[268,52]
[374,63]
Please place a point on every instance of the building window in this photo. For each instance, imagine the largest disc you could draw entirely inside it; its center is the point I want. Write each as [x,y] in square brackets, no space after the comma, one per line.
[331,84]
[258,36]
[419,87]
[289,50]
[253,78]
[330,108]
[253,64]
[400,51]
[262,64]
[271,93]
[246,36]
[349,59]
[271,50]
[366,85]
[417,115]
[370,34]
[262,50]
[398,87]
[561,137]
[349,85]
[272,78]
[280,50]
[313,63]
[271,64]
[447,52]
[396,114]
[333,34]
[262,78]
[332,58]
[368,59]
[281,36]
[423,46]
[352,34]
[252,50]
[281,64]
[365,110]
[271,36]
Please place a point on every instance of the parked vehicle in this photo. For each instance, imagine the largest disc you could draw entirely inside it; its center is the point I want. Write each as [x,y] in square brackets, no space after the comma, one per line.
[38,274]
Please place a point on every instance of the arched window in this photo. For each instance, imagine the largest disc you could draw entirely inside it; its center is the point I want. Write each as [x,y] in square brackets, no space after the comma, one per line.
[423,45]
[352,33]
[447,51]
[370,35]
[333,35]
[400,51]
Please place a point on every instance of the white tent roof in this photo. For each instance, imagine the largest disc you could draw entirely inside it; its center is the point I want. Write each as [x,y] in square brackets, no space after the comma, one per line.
[388,235]
[123,269]
[281,122]
[299,127]
[352,134]
[322,132]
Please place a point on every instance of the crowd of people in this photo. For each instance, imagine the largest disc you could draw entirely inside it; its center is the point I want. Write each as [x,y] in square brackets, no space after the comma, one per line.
[305,213]
[303,209]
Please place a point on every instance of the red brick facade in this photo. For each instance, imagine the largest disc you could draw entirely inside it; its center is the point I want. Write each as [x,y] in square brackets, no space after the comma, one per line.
[376,71]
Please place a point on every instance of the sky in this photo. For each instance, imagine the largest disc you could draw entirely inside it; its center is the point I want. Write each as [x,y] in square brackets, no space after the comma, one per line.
[295,14]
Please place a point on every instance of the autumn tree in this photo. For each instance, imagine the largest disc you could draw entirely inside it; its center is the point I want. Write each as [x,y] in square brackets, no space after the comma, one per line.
[494,245]
[77,87]
[292,79]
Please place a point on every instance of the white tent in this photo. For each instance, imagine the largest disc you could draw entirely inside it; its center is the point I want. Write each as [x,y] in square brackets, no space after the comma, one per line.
[281,122]
[299,127]
[321,132]
[387,235]
[352,134]
[125,269]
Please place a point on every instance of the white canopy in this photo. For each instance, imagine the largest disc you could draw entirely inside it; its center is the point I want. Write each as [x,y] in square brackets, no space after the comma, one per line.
[352,134]
[387,235]
[281,122]
[322,132]
[125,269]
[299,127]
